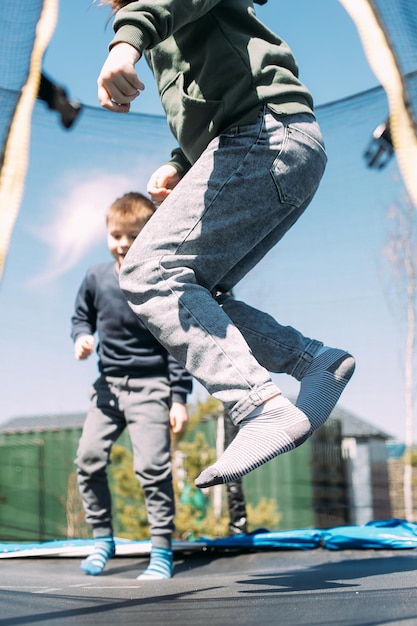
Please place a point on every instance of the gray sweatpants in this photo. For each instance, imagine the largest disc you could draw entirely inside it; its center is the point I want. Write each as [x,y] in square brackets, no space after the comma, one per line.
[141,405]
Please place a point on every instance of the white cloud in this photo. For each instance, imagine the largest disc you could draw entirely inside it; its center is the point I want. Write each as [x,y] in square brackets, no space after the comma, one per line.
[77,221]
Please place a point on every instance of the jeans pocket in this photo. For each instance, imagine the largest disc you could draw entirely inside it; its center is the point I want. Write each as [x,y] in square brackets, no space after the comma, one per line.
[299,167]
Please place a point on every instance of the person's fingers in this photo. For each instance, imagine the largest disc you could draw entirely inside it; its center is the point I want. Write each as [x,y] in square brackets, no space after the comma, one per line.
[158,195]
[115,97]
[123,87]
[107,102]
[118,84]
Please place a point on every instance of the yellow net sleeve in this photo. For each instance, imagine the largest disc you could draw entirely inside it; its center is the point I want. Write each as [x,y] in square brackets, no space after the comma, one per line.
[385,67]
[16,150]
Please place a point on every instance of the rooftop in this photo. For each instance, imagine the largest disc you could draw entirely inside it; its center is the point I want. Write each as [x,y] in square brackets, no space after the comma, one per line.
[352,425]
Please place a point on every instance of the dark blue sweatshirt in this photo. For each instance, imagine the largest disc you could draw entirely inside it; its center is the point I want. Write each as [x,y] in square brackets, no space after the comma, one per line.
[125,347]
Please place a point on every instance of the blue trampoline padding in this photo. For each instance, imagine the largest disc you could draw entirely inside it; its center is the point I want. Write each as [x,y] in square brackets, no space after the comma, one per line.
[303,539]
[65,543]
[384,534]
[388,534]
[289,539]
[69,547]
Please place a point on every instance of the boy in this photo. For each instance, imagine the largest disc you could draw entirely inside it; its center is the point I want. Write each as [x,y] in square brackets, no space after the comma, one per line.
[250,159]
[140,387]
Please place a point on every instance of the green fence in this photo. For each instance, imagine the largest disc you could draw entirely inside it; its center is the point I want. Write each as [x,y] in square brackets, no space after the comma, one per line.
[38,491]
[39,499]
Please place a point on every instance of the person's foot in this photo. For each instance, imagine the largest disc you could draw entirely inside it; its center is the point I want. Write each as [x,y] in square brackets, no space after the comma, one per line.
[104,548]
[160,565]
[323,383]
[272,429]
[238,527]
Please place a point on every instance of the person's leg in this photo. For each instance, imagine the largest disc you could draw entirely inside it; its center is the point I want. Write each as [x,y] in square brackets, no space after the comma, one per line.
[146,407]
[226,213]
[102,427]
[323,371]
[240,198]
[235,497]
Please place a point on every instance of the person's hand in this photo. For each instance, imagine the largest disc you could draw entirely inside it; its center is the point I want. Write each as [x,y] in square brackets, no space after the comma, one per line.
[118,83]
[178,417]
[83,347]
[162,182]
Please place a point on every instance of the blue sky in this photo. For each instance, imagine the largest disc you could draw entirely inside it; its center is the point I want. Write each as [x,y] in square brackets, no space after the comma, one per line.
[328,277]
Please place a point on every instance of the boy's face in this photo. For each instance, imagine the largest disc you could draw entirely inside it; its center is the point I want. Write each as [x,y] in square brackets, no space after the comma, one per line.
[120,236]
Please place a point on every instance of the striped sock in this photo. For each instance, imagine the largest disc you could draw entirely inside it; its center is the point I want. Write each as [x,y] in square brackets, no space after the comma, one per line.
[160,566]
[103,550]
[323,383]
[272,429]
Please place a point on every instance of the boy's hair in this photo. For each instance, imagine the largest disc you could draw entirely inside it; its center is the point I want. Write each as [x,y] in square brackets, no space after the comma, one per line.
[131,207]
[115,4]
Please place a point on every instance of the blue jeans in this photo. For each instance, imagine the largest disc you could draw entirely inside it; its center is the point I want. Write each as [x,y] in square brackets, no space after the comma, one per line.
[243,194]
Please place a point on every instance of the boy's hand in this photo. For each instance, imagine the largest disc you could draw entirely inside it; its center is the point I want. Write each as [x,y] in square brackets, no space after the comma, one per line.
[118,83]
[178,417]
[162,182]
[83,346]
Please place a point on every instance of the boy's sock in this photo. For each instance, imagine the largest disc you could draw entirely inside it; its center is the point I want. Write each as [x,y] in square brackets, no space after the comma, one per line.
[273,428]
[160,565]
[104,549]
[323,383]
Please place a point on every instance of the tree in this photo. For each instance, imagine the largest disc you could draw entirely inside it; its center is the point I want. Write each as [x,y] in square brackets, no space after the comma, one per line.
[129,509]
[76,524]
[401,252]
[196,516]
[204,513]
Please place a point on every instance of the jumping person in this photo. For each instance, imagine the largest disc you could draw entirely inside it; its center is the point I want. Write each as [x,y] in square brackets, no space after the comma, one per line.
[250,159]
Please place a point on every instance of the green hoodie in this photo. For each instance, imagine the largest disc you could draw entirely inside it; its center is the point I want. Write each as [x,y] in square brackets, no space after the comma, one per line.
[214,64]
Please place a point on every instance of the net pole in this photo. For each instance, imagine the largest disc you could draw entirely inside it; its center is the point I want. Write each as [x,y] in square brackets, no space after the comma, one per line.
[383,63]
